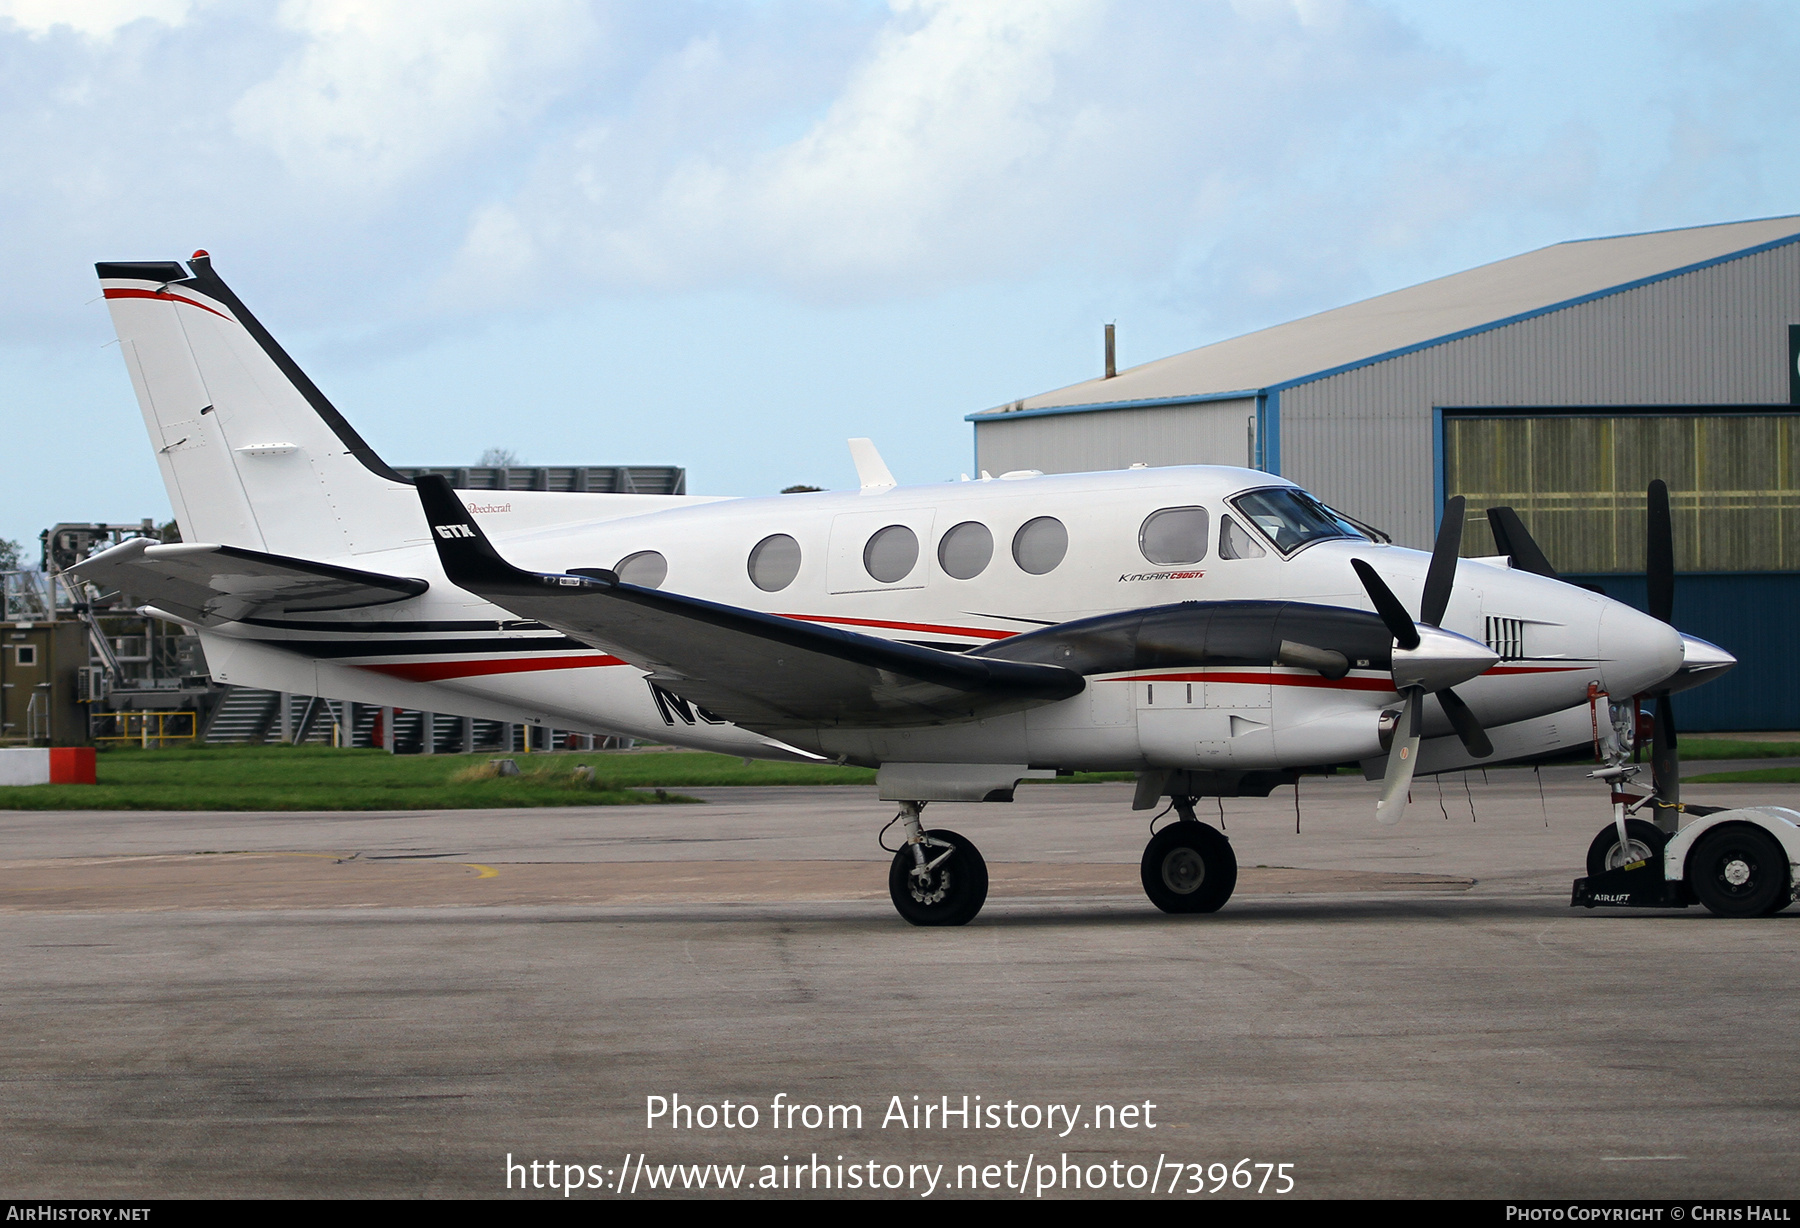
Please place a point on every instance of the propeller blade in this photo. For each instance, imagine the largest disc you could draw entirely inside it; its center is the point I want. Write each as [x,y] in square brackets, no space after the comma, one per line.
[1399,622]
[1403,757]
[1441,578]
[1511,537]
[1501,525]
[1665,758]
[1659,554]
[1474,737]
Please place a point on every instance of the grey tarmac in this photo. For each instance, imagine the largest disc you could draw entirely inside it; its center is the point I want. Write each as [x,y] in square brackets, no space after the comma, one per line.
[326,1004]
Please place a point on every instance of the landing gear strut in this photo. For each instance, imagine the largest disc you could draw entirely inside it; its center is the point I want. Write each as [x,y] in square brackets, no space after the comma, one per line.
[1189,866]
[937,877]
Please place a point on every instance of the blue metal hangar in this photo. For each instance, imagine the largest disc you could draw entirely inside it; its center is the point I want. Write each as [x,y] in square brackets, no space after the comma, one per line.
[1558,382]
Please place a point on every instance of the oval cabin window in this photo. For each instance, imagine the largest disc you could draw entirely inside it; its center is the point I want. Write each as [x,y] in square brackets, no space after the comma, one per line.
[1040,544]
[774,562]
[891,554]
[646,569]
[966,550]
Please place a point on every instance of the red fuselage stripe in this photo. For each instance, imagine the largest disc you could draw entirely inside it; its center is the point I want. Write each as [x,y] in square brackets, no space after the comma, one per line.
[165,296]
[982,633]
[437,671]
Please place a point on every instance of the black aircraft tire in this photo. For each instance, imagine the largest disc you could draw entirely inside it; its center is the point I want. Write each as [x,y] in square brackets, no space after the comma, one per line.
[1739,870]
[953,893]
[1638,831]
[1189,867]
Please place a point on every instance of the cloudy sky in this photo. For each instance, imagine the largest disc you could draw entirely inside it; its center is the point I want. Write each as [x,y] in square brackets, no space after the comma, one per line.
[729,235]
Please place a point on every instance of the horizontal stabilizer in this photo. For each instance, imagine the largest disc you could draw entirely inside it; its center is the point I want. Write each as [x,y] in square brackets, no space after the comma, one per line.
[218,584]
[759,670]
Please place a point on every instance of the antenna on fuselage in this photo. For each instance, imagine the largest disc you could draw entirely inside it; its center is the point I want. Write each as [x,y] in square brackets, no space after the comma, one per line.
[871,471]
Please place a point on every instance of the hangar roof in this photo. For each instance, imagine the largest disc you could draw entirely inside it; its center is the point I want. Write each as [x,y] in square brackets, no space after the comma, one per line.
[1435,311]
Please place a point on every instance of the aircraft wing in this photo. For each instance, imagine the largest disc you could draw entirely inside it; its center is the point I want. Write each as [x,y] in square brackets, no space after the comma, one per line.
[762,671]
[217,584]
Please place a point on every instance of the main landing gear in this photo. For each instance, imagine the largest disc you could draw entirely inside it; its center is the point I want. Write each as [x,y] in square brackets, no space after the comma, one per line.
[1188,866]
[937,877]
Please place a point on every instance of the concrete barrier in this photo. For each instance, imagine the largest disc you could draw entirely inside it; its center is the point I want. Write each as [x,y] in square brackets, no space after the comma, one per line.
[55,765]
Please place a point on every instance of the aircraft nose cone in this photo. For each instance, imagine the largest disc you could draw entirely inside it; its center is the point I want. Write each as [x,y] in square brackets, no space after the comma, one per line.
[1636,651]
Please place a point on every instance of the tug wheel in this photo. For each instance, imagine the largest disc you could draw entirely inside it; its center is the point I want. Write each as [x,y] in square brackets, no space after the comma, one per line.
[1737,870]
[1644,843]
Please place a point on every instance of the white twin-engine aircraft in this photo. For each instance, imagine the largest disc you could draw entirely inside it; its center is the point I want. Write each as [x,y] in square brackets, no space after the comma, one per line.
[1212,629]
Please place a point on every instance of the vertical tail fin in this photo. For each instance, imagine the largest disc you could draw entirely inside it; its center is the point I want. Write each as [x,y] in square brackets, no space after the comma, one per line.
[251,451]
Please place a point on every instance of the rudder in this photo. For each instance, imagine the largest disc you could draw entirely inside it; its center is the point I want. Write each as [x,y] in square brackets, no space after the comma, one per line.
[252,453]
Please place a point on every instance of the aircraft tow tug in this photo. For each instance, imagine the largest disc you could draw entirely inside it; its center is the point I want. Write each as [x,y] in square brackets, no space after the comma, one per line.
[1742,862]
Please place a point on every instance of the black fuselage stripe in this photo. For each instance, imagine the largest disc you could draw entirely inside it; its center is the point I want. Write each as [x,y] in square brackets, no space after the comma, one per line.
[394,648]
[371,627]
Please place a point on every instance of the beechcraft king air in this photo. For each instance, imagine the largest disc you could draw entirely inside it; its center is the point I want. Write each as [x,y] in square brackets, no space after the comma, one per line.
[1214,630]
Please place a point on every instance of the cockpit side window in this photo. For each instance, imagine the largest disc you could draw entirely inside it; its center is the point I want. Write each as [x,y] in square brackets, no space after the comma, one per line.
[1237,542]
[1292,519]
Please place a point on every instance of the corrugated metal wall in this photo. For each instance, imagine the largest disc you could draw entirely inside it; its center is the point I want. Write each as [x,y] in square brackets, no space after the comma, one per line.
[1719,335]
[1208,433]
[1751,615]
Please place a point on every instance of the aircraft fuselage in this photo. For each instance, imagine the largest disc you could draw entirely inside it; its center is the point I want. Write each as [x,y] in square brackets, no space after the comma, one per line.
[463,655]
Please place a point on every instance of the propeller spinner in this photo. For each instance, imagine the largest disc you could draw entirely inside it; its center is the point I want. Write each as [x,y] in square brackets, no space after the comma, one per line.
[1427,660]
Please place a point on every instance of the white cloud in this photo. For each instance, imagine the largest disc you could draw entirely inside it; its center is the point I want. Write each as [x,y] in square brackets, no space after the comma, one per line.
[973,141]
[1229,159]
[377,93]
[94,18]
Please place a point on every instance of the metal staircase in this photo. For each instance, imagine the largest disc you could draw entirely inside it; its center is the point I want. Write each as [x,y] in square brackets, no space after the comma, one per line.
[244,716]
[248,715]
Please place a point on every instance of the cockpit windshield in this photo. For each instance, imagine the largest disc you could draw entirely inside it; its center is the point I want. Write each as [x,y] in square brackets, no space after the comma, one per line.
[1293,519]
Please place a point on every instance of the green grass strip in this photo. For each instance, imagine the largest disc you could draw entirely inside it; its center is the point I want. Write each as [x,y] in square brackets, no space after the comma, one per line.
[1724,748]
[321,778]
[1756,776]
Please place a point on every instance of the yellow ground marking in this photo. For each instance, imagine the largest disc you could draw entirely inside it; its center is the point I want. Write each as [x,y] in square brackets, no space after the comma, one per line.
[486,871]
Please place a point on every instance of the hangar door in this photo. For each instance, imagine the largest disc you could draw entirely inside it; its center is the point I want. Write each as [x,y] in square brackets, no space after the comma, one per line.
[1578,481]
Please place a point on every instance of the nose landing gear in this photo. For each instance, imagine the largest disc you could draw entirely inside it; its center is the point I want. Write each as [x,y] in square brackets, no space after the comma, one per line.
[1643,843]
